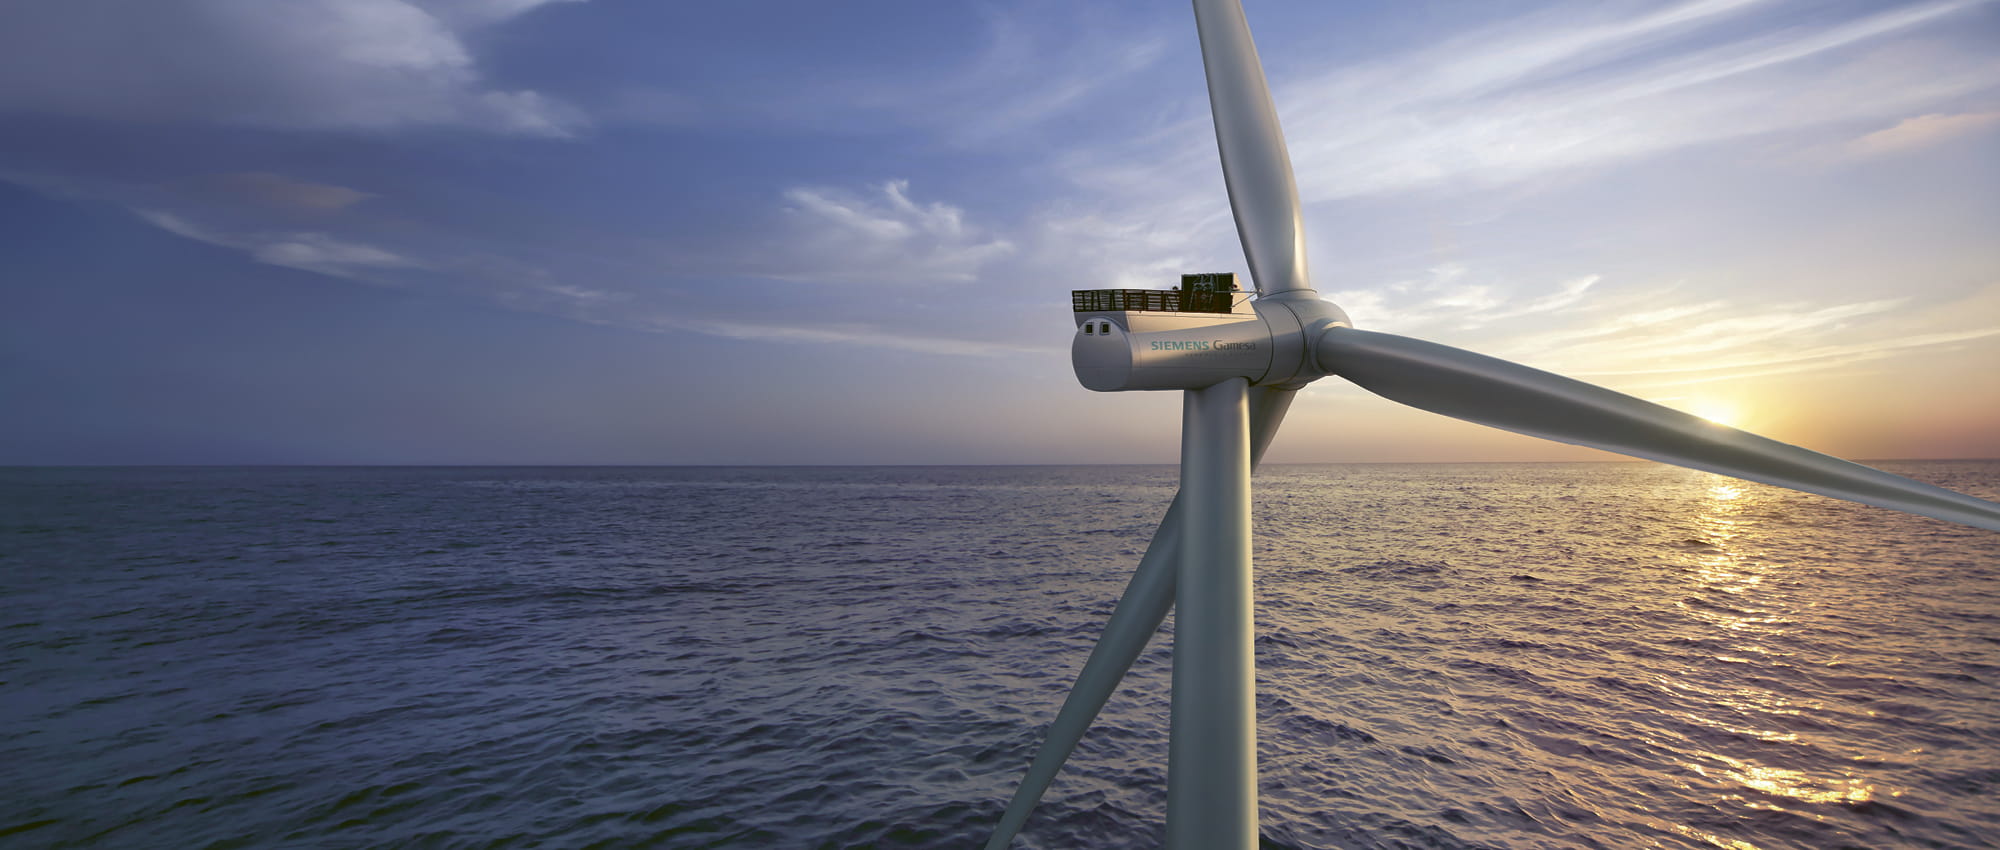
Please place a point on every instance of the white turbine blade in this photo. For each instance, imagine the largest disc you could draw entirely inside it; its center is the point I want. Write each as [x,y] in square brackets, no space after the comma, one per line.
[1489,391]
[1255,166]
[1140,611]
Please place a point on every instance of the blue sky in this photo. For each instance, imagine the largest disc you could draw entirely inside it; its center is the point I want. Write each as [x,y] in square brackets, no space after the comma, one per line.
[605,231]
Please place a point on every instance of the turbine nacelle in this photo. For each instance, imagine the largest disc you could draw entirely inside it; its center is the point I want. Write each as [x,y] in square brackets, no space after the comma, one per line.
[1202,334]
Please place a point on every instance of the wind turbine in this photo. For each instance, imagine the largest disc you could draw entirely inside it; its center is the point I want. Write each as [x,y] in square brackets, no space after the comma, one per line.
[1239,362]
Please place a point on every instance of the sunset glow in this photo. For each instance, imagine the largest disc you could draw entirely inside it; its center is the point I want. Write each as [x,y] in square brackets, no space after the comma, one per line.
[1718,412]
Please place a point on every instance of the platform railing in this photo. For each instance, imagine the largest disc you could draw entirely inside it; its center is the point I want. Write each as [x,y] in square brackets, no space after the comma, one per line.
[1152,300]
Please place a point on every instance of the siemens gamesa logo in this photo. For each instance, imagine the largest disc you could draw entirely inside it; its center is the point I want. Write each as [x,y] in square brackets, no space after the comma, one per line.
[1201,345]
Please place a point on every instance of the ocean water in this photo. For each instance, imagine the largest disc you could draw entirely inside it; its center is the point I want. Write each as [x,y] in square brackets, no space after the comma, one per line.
[1450,656]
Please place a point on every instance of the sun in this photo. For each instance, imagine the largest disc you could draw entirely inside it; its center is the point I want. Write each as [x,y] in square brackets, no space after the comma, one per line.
[1718,412]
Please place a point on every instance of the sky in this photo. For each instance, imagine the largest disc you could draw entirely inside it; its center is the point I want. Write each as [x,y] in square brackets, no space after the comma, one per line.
[792,232]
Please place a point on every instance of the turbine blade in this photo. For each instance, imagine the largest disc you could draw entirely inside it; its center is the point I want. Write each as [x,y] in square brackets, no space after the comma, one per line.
[1148,597]
[1267,411]
[1489,391]
[1140,611]
[1262,193]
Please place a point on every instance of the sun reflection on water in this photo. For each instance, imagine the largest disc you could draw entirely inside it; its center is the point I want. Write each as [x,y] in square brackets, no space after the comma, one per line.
[1780,782]
[1724,516]
[1730,595]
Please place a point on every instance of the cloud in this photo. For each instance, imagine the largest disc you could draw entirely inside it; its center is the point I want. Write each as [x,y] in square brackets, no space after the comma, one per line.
[1723,340]
[1450,295]
[324,254]
[1795,360]
[315,64]
[833,235]
[1921,132]
[308,251]
[1504,106]
[1101,251]
[1566,295]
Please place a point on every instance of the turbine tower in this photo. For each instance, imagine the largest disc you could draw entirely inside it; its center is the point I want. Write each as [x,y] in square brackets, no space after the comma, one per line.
[1239,359]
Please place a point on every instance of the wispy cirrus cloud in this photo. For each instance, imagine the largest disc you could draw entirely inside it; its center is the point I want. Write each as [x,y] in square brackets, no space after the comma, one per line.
[1923,131]
[305,250]
[1451,296]
[1698,334]
[1636,344]
[1792,360]
[1523,101]
[828,234]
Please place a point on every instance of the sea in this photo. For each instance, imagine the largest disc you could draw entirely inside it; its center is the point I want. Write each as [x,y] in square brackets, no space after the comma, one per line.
[1595,655]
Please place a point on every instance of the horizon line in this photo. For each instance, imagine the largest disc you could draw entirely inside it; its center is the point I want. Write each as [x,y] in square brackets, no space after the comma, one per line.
[10,466]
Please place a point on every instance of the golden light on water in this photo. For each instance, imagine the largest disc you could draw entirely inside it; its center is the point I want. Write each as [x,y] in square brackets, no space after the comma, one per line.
[1780,782]
[1738,603]
[1721,568]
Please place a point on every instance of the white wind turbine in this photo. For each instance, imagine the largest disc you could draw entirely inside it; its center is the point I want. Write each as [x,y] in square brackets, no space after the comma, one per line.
[1239,362]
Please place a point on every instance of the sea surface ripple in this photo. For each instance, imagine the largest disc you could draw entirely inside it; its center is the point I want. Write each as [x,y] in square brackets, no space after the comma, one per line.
[1450,656]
